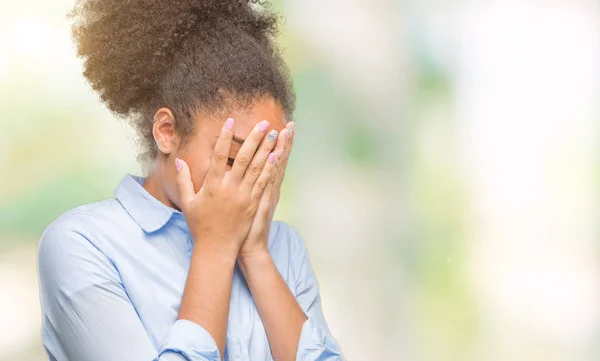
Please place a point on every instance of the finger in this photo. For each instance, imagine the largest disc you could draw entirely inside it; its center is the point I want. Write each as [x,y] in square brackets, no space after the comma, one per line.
[248,149]
[281,141]
[258,162]
[264,211]
[184,183]
[284,155]
[286,134]
[221,153]
[289,140]
[279,149]
[264,179]
[292,127]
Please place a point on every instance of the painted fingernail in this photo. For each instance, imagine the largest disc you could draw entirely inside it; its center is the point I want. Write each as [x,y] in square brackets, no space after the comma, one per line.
[229,124]
[272,135]
[178,164]
[271,157]
[279,153]
[263,126]
[292,128]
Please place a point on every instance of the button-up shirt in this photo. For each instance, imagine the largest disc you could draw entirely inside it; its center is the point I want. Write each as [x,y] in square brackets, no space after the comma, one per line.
[112,275]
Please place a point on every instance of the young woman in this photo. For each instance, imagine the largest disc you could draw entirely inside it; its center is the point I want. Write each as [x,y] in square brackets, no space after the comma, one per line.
[185,264]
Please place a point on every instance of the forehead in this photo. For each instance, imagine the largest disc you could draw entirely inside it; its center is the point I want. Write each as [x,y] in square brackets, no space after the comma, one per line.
[246,118]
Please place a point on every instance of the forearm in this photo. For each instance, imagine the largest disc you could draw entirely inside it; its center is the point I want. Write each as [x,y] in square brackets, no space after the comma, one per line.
[279,311]
[208,290]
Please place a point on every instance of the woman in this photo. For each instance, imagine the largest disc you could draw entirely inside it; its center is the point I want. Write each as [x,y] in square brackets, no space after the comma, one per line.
[186,263]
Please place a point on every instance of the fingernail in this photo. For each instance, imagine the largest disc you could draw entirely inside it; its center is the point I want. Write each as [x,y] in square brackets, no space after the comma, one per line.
[292,128]
[178,164]
[272,135]
[279,153]
[263,126]
[288,133]
[271,157]
[229,124]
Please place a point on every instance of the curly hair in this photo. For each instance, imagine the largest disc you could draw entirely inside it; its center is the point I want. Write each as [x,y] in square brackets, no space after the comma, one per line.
[185,55]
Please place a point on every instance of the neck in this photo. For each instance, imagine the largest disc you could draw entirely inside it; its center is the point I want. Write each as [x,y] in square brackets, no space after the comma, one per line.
[155,185]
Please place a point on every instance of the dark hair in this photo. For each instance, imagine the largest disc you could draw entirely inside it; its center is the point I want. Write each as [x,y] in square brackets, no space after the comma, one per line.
[186,55]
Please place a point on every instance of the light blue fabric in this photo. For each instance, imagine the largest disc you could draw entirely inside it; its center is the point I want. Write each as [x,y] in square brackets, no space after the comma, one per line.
[112,274]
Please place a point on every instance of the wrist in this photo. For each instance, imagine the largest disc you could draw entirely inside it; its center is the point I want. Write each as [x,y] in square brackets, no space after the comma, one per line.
[253,251]
[256,256]
[259,271]
[216,250]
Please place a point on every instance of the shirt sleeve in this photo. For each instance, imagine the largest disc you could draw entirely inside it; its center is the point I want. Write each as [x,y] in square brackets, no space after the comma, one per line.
[316,342]
[87,314]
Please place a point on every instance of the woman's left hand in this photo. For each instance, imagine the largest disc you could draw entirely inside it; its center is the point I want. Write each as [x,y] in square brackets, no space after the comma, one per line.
[257,241]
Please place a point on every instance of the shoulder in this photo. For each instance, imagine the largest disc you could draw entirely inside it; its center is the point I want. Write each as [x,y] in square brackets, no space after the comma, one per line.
[78,224]
[68,255]
[283,234]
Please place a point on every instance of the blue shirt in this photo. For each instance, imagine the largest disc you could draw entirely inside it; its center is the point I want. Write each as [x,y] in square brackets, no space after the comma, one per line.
[112,275]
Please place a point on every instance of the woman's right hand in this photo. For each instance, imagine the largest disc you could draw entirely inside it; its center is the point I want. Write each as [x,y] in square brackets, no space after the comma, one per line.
[219,216]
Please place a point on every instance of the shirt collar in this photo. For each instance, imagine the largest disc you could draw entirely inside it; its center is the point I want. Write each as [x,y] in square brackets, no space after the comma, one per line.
[148,212]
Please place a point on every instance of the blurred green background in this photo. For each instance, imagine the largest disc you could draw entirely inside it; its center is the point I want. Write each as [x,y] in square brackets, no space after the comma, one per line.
[445,175]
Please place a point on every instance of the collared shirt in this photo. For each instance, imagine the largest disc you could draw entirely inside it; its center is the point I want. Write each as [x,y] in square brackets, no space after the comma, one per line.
[112,275]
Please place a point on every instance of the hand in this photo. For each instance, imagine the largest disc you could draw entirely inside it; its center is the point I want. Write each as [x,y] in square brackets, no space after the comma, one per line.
[219,216]
[257,240]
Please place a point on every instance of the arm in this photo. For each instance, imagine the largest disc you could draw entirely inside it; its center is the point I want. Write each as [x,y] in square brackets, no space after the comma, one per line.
[207,292]
[280,313]
[293,320]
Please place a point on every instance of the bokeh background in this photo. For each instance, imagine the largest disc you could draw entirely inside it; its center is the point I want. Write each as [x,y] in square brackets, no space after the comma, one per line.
[445,176]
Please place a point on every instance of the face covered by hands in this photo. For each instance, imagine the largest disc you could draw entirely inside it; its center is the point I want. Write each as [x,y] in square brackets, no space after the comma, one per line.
[247,182]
